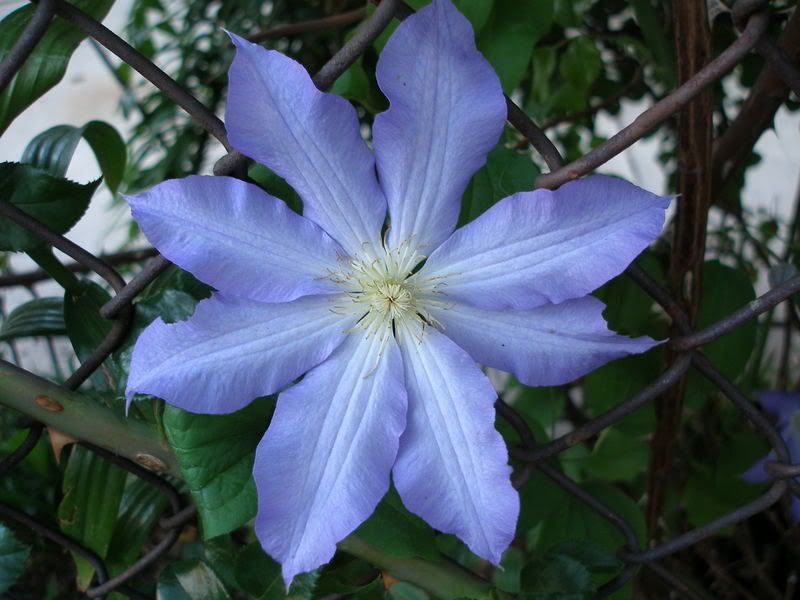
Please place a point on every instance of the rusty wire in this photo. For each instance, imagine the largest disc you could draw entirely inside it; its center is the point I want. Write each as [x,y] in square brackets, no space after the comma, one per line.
[751,16]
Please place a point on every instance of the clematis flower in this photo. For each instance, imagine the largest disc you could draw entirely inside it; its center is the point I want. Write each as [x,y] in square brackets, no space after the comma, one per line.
[785,407]
[387,326]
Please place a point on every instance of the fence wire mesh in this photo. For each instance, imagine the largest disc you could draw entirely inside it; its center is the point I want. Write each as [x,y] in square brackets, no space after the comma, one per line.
[751,16]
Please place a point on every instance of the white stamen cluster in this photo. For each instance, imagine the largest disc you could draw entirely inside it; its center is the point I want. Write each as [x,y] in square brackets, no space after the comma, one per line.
[385,293]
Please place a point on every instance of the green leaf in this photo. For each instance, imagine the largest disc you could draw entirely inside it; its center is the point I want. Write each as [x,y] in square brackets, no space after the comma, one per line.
[394,530]
[13,556]
[52,150]
[354,84]
[617,381]
[476,11]
[190,580]
[276,186]
[592,556]
[571,13]
[220,554]
[556,577]
[507,576]
[541,406]
[56,202]
[85,327]
[169,588]
[510,35]
[174,278]
[170,304]
[41,316]
[260,576]
[345,576]
[618,456]
[141,507]
[650,18]
[543,66]
[200,582]
[47,63]
[92,490]
[109,150]
[402,590]
[505,172]
[215,454]
[629,309]
[538,498]
[725,290]
[581,64]
[569,519]
[715,489]
[257,574]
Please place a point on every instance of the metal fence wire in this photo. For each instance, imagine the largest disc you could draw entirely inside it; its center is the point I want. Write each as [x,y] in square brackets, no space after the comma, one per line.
[752,17]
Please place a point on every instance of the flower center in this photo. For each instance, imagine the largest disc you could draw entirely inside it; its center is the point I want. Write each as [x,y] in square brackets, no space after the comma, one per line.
[383,294]
[381,290]
[390,299]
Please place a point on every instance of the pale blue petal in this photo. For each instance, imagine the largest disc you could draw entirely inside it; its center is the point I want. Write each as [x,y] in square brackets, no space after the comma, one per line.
[781,405]
[548,345]
[756,473]
[277,116]
[446,112]
[232,350]
[542,247]
[452,469]
[235,237]
[775,402]
[325,460]
[795,508]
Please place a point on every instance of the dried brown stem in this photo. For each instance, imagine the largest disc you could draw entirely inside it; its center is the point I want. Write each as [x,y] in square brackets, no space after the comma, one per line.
[768,93]
[329,22]
[693,47]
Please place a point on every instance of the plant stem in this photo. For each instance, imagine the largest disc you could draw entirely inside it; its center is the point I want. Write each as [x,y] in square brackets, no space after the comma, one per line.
[44,257]
[89,421]
[84,419]
[440,578]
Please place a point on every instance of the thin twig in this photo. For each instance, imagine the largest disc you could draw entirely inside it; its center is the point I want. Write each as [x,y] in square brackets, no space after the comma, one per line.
[330,22]
[146,68]
[662,110]
[26,42]
[607,102]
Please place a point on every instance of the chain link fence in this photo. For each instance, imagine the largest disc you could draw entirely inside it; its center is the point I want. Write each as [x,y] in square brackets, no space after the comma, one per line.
[751,16]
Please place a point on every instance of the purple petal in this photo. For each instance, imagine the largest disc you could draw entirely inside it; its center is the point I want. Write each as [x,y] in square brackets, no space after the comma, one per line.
[277,116]
[232,350]
[795,508]
[781,405]
[792,437]
[452,469]
[548,345]
[541,247]
[235,237]
[325,460]
[756,473]
[446,112]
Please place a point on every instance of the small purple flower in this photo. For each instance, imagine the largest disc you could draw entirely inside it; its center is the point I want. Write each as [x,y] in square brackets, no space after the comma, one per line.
[387,328]
[785,407]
